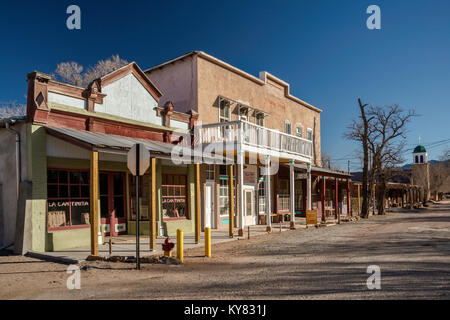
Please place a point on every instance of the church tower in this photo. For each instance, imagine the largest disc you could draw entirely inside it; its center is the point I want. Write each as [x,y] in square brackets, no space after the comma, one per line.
[421,171]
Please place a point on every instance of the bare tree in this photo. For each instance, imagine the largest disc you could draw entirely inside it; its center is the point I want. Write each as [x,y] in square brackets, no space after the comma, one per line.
[359,130]
[386,142]
[327,161]
[72,72]
[69,72]
[12,109]
[103,67]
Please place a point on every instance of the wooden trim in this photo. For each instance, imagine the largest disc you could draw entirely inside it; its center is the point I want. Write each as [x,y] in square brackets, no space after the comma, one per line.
[322,198]
[138,73]
[107,121]
[94,202]
[336,199]
[152,217]
[197,203]
[349,212]
[230,201]
[73,92]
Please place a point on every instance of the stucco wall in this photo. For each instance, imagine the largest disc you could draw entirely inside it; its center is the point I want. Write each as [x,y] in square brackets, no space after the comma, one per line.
[128,98]
[8,180]
[178,83]
[214,80]
[37,166]
[196,83]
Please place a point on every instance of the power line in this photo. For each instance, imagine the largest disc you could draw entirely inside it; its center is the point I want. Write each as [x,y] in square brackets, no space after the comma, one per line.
[428,145]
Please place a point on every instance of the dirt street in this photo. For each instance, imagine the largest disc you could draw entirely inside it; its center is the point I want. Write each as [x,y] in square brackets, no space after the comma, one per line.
[412,249]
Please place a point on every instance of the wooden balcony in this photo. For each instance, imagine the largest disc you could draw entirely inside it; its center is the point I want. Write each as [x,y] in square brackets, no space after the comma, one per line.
[253,138]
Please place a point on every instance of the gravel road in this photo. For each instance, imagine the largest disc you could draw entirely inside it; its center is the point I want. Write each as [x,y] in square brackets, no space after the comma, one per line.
[412,249]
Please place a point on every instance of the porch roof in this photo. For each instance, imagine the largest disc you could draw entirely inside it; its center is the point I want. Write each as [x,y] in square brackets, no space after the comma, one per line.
[120,144]
[324,171]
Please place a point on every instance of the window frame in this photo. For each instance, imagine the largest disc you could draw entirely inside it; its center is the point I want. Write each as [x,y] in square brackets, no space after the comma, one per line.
[261,116]
[209,171]
[224,186]
[132,200]
[69,198]
[224,118]
[301,131]
[287,122]
[186,196]
[309,130]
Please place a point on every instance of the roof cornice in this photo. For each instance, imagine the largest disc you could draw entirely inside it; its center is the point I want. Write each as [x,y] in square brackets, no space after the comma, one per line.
[262,80]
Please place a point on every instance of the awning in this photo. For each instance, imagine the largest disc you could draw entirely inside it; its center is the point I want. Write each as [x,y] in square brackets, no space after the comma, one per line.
[119,144]
[324,171]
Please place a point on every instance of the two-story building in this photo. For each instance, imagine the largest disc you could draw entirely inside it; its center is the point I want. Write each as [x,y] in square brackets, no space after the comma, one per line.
[259,123]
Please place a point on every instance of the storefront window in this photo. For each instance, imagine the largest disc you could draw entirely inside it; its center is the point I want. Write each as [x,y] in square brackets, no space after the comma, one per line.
[262,197]
[174,196]
[144,197]
[223,197]
[68,193]
[210,172]
[299,195]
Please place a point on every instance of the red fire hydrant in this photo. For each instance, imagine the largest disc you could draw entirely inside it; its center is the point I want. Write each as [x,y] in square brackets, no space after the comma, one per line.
[168,247]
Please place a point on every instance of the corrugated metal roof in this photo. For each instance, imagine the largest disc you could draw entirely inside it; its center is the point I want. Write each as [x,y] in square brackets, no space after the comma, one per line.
[109,141]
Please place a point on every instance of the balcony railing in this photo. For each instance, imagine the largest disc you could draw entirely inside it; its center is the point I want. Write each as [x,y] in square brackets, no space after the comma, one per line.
[251,134]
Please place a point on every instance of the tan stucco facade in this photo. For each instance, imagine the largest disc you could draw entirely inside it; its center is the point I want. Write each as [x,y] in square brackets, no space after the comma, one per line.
[198,80]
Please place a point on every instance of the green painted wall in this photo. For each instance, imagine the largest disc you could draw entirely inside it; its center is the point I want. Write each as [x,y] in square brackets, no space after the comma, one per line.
[37,166]
[68,239]
[143,227]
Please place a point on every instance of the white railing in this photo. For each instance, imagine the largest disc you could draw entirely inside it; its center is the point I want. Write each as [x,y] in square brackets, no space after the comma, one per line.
[253,135]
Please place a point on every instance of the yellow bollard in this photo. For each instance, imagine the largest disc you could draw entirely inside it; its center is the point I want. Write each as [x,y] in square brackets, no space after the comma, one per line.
[208,242]
[180,245]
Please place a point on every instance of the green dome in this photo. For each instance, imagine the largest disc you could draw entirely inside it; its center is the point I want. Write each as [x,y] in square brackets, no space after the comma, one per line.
[419,149]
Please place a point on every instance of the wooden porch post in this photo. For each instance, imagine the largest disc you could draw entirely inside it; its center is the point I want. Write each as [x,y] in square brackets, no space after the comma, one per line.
[240,177]
[322,198]
[230,201]
[94,202]
[336,200]
[268,197]
[308,188]
[152,223]
[359,199]
[197,203]
[292,193]
[304,194]
[349,203]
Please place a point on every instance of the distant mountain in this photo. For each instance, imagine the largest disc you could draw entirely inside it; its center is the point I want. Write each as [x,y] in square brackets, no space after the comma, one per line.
[401,175]
[409,165]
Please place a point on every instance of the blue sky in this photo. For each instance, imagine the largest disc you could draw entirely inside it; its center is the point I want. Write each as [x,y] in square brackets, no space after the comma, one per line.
[322,48]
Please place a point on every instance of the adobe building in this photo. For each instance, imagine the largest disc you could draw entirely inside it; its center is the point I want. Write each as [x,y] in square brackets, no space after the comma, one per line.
[254,120]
